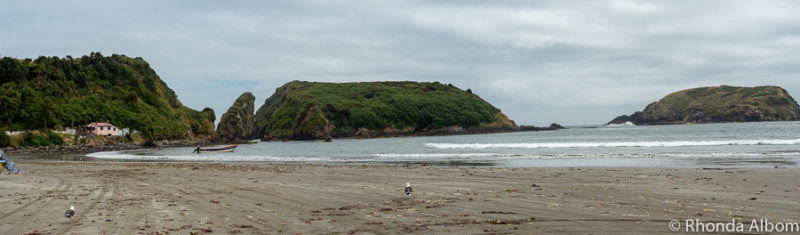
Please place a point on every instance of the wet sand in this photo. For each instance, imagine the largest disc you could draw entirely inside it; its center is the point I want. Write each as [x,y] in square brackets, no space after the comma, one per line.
[198,198]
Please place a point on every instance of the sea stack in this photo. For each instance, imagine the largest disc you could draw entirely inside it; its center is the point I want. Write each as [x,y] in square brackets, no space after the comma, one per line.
[238,123]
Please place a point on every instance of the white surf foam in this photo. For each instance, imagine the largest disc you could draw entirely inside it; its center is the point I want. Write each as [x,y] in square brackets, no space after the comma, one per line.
[204,158]
[608,144]
[435,155]
[498,156]
[628,123]
[438,157]
[754,155]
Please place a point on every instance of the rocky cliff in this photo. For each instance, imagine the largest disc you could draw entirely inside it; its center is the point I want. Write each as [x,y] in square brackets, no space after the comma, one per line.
[718,104]
[238,123]
[314,110]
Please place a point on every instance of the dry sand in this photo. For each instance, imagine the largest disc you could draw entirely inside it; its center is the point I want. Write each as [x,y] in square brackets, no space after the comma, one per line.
[196,198]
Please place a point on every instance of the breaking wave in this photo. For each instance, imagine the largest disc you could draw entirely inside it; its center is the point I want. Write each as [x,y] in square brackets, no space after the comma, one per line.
[621,124]
[609,144]
[204,158]
[436,155]
[499,156]
[432,157]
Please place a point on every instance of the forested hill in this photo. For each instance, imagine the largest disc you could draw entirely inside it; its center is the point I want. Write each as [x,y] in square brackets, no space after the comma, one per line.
[317,110]
[53,92]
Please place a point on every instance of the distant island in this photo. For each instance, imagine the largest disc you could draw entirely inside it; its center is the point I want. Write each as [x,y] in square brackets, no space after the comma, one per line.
[301,110]
[717,104]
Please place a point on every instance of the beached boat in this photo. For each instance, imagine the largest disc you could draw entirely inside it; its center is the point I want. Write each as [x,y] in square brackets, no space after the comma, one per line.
[229,148]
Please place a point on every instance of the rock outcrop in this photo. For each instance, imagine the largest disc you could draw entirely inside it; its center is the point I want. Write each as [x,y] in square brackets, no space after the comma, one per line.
[556,126]
[718,104]
[238,123]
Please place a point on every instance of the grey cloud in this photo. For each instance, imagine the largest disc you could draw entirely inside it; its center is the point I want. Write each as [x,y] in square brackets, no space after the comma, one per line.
[575,62]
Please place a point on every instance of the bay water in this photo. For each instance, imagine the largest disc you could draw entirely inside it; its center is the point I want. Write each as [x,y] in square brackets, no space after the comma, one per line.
[761,144]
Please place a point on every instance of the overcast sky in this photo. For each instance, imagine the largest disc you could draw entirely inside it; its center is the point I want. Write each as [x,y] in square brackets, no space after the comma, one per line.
[571,62]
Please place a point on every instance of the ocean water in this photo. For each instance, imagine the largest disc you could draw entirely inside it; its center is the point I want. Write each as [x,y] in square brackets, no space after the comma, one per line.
[764,144]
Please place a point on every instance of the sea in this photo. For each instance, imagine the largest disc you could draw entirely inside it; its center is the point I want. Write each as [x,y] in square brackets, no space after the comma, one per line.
[726,145]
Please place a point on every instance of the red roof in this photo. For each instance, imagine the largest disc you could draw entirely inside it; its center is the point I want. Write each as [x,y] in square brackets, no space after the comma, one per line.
[100,124]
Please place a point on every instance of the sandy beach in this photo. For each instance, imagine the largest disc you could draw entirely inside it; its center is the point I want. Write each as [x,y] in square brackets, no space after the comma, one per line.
[204,198]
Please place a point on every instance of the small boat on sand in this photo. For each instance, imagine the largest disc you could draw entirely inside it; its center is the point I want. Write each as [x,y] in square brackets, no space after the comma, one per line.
[225,149]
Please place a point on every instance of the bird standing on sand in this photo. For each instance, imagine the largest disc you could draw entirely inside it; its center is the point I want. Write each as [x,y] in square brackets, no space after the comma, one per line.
[70,212]
[408,189]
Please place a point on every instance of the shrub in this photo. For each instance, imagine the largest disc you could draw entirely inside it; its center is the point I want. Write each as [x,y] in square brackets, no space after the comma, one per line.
[46,138]
[5,141]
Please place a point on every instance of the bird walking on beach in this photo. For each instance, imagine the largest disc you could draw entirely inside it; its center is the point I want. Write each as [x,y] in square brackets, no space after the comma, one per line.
[70,212]
[408,189]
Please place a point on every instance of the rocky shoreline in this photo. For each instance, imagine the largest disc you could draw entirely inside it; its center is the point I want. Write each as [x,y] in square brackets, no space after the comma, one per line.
[365,134]
[86,149]
[410,132]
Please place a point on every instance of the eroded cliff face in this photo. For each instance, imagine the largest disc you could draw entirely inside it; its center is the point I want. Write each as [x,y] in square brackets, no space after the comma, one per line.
[238,123]
[718,104]
[312,110]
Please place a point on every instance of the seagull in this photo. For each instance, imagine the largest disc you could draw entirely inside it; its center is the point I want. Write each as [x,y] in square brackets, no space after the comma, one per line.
[70,212]
[408,189]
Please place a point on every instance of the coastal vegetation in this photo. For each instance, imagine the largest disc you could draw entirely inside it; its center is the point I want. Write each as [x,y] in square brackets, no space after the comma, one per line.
[718,104]
[5,141]
[316,110]
[32,138]
[54,93]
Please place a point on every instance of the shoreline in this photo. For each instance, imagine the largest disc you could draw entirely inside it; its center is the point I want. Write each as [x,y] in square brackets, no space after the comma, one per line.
[152,197]
[89,148]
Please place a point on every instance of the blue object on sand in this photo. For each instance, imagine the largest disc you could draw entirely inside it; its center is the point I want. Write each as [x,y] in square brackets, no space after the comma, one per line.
[9,165]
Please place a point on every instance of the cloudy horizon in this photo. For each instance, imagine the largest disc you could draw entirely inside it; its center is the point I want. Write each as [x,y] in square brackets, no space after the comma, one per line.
[570,62]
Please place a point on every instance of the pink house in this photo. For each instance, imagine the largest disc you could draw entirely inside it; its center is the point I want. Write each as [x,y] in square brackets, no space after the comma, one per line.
[101,129]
